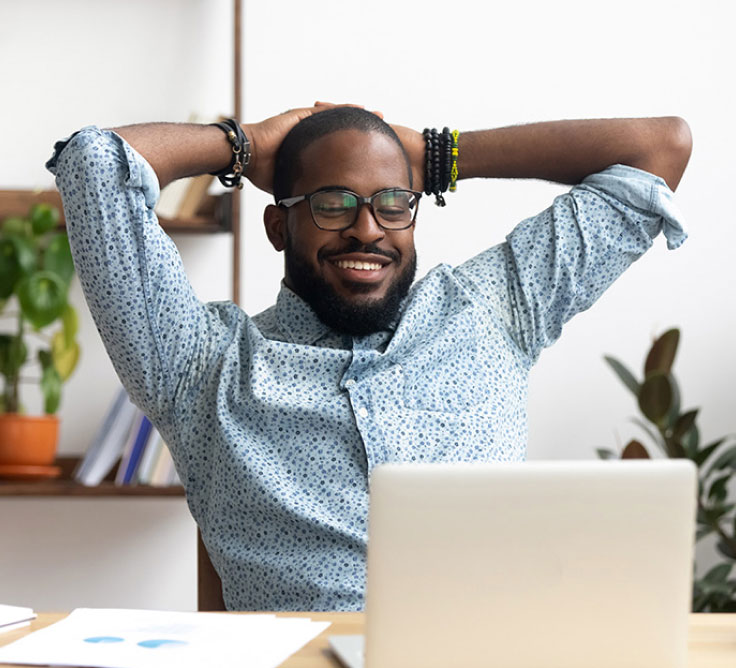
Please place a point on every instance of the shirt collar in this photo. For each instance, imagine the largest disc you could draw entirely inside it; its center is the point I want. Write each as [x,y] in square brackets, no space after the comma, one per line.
[300,324]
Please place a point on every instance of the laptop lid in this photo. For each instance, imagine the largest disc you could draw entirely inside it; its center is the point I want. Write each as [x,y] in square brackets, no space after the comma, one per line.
[529,565]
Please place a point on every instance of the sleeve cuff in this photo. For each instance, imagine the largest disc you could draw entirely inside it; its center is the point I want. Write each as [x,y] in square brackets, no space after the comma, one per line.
[645,191]
[139,173]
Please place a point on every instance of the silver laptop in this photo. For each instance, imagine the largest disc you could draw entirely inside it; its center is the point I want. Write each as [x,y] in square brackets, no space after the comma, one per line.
[531,565]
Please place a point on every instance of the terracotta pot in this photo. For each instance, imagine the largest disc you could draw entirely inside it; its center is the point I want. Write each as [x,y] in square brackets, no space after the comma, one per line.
[26,439]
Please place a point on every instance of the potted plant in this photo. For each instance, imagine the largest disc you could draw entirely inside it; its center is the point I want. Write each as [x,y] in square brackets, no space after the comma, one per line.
[35,272]
[676,434]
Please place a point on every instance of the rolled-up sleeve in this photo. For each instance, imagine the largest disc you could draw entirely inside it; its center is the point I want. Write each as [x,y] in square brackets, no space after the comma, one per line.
[557,263]
[158,335]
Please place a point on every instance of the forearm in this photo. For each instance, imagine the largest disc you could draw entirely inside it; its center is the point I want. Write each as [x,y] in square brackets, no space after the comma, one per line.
[568,151]
[177,150]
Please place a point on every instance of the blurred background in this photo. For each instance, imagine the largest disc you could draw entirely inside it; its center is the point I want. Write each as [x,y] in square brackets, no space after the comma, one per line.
[464,64]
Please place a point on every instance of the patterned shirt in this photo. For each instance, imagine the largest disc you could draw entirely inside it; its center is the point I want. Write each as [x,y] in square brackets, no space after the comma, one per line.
[275,421]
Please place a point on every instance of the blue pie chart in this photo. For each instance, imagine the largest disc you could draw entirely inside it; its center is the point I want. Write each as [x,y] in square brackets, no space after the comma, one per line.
[160,642]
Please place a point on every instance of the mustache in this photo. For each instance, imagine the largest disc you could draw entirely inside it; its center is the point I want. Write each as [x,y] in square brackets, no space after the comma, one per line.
[356,247]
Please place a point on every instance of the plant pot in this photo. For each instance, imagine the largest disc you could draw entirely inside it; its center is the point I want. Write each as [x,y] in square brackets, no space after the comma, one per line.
[28,440]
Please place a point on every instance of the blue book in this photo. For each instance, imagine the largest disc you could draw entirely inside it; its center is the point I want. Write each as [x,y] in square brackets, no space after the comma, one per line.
[144,431]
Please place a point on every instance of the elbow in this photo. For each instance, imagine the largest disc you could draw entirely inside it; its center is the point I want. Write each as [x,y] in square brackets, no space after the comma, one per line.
[681,141]
[665,149]
[675,150]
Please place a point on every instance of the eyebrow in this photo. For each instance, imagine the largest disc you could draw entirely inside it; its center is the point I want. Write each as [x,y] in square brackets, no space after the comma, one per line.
[335,187]
[340,187]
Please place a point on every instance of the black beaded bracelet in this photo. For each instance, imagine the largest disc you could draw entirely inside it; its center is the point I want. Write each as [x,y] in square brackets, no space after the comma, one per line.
[427,134]
[446,158]
[231,176]
[434,166]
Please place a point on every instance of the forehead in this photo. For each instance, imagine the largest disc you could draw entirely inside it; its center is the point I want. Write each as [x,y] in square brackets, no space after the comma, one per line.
[363,162]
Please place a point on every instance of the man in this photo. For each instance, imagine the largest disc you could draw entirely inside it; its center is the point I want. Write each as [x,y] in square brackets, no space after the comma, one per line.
[275,422]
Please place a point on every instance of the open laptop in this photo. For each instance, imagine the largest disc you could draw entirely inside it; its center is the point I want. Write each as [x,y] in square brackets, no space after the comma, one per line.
[529,565]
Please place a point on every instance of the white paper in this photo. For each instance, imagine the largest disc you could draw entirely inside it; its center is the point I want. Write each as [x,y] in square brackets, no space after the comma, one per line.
[11,616]
[108,638]
[12,627]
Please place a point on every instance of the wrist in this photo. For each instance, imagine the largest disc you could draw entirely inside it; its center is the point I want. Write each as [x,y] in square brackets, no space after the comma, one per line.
[251,133]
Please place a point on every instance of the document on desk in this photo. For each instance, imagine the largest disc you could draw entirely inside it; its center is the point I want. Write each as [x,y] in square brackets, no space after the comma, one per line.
[14,617]
[109,638]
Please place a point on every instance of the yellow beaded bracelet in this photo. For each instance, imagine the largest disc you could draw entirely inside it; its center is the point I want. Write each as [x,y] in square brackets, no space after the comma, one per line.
[453,169]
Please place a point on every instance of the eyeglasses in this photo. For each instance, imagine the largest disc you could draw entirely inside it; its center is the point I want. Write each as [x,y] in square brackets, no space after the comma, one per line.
[334,209]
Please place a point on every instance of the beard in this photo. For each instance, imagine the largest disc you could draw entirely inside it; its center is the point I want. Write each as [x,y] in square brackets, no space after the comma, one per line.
[349,316]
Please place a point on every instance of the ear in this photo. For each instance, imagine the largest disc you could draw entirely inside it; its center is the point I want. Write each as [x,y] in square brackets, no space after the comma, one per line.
[274,220]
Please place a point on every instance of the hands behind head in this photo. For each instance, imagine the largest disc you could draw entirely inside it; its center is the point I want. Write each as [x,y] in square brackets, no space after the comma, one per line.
[266,137]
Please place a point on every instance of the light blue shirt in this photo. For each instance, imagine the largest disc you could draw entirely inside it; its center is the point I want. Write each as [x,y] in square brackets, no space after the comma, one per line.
[275,421]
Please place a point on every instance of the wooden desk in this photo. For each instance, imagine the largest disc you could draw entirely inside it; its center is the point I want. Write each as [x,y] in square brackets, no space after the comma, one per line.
[712,642]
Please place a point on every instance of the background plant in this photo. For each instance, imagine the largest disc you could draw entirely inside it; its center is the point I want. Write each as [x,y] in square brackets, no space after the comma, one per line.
[36,270]
[677,435]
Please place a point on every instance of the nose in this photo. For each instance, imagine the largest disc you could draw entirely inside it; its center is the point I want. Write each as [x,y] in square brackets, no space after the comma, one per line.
[365,228]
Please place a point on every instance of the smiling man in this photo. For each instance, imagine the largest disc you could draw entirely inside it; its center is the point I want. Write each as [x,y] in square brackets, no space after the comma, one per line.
[276,421]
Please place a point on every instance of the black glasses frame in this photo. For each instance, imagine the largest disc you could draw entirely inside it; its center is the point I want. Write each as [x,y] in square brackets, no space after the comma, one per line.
[288,202]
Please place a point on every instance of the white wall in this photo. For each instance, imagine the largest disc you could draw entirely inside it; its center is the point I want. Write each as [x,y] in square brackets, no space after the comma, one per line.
[65,553]
[465,64]
[474,65]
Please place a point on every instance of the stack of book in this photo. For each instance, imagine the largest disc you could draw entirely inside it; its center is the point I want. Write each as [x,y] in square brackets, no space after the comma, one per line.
[126,437]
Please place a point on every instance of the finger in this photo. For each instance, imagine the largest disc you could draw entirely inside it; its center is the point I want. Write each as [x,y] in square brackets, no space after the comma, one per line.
[338,104]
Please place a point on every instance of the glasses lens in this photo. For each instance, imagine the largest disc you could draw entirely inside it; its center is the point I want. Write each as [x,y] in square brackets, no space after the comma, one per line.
[334,209]
[395,208]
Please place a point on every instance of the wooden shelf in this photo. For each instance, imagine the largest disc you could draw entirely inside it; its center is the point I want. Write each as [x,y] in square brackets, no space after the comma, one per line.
[65,486]
[216,213]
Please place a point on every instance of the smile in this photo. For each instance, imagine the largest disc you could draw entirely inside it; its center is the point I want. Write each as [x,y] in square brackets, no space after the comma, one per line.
[354,264]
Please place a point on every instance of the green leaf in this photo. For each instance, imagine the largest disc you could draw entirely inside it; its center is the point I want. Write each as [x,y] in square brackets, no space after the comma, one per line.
[51,389]
[727,459]
[717,574]
[13,354]
[25,251]
[662,353]
[714,514]
[684,423]
[70,323]
[719,488]
[57,257]
[45,359]
[635,450]
[10,271]
[726,549]
[42,297]
[674,412]
[17,226]
[707,451]
[690,440]
[65,357]
[624,374]
[44,217]
[605,453]
[655,397]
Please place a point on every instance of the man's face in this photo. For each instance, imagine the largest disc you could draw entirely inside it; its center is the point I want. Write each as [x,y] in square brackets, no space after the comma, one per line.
[321,265]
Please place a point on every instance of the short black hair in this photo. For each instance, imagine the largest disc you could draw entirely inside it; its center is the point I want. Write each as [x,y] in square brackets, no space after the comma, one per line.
[288,168]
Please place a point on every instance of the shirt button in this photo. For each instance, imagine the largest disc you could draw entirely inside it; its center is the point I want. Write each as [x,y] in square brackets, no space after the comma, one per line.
[363,412]
[350,383]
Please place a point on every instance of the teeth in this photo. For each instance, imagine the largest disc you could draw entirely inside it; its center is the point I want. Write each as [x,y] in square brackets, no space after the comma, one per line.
[352,264]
